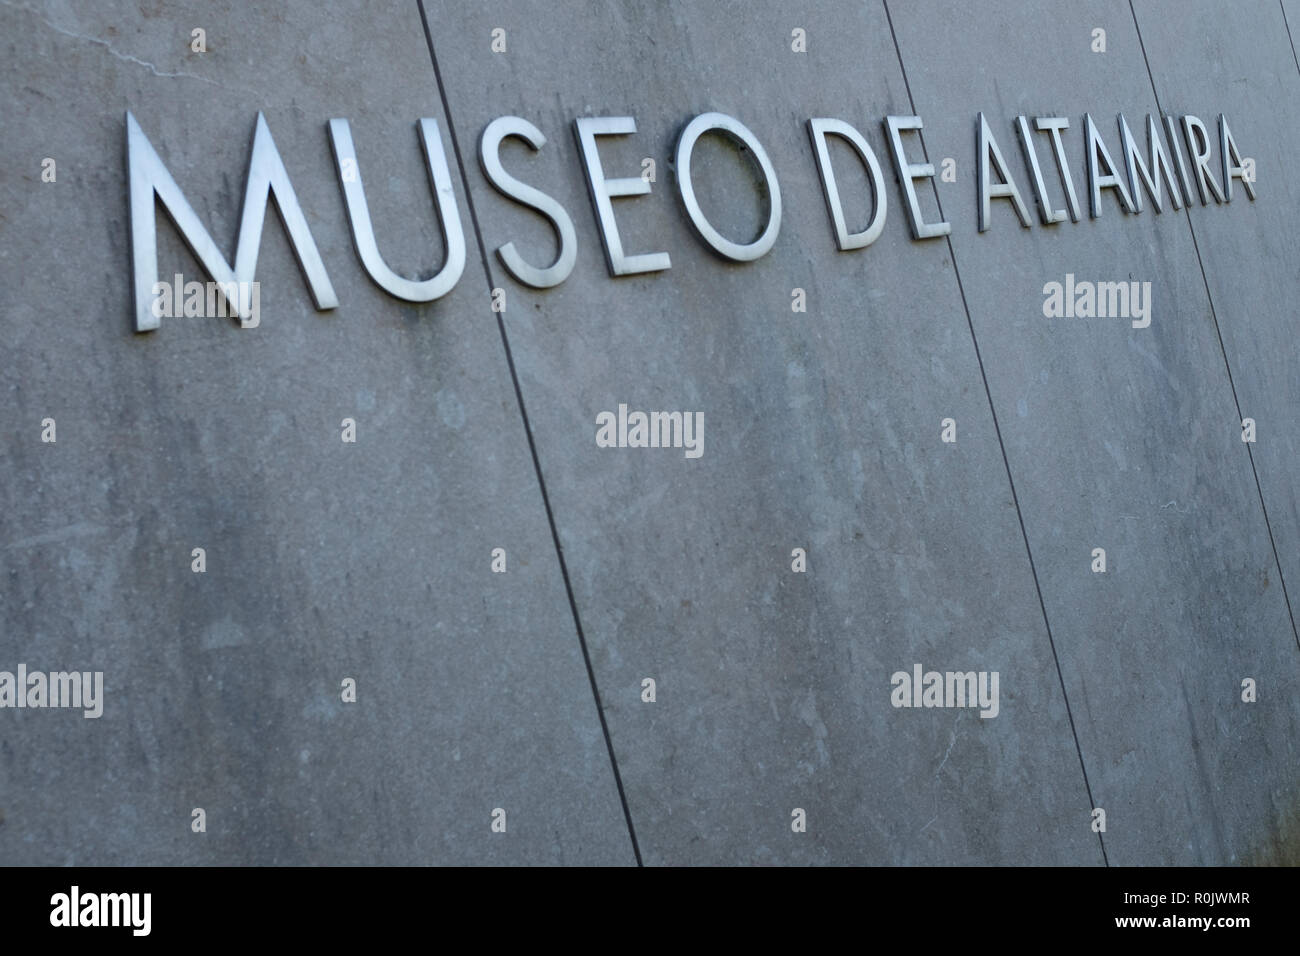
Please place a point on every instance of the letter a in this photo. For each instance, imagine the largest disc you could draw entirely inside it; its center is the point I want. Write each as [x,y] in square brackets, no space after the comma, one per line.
[605,432]
[1053,304]
[59,915]
[902,693]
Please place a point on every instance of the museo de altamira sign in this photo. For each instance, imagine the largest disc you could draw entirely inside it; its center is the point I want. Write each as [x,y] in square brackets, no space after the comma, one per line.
[1164,163]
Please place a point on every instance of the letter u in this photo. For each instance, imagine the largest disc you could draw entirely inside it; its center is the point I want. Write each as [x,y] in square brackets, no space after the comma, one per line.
[363,231]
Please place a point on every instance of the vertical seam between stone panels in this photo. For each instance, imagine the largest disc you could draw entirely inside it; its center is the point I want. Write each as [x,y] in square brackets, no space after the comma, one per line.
[528,432]
[1282,7]
[1214,315]
[1006,462]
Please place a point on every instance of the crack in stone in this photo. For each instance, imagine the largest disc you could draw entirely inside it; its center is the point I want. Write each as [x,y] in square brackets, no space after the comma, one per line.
[125,57]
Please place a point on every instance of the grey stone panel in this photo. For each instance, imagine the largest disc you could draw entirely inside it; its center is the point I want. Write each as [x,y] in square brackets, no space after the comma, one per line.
[1124,438]
[822,431]
[325,560]
[1241,63]
[371,560]
[1244,67]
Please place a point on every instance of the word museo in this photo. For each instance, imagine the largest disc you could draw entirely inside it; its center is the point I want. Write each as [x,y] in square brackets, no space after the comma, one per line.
[1162,165]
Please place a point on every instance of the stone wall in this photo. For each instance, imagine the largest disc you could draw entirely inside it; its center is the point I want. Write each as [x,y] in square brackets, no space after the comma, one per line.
[475,429]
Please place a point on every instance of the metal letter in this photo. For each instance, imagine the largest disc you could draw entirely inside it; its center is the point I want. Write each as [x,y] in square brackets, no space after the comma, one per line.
[1198,145]
[737,131]
[986,150]
[1055,124]
[266,174]
[363,230]
[818,129]
[1045,210]
[1171,133]
[586,129]
[907,172]
[1096,181]
[1232,166]
[1150,175]
[489,154]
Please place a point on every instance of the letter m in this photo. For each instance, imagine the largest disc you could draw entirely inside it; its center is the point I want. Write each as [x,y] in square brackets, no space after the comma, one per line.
[1116,294]
[121,909]
[665,429]
[66,687]
[961,688]
[266,174]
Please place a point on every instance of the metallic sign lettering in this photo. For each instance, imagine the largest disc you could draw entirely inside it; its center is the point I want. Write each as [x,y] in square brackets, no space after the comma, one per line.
[1163,165]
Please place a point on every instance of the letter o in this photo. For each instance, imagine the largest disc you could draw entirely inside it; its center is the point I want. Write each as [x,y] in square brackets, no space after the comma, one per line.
[738,132]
